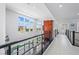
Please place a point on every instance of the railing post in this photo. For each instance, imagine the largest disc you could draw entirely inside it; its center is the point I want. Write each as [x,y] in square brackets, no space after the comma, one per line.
[24,47]
[73,37]
[9,50]
[55,33]
[68,34]
[42,45]
[17,50]
[37,40]
[29,46]
[34,48]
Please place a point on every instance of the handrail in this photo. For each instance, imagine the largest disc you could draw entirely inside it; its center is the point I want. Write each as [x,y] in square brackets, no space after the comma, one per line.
[69,36]
[14,48]
[11,43]
[9,49]
[76,32]
[31,48]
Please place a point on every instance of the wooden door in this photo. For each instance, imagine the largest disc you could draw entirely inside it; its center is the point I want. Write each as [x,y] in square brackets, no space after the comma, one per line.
[48,29]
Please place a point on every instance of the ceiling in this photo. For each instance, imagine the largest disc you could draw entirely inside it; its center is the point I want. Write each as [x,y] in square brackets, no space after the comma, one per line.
[35,10]
[66,13]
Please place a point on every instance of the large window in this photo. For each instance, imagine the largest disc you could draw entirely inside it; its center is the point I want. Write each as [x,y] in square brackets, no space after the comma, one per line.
[38,25]
[28,24]
[25,24]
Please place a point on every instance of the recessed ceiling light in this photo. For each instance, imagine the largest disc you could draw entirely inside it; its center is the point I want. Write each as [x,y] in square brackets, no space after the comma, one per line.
[31,5]
[77,13]
[60,6]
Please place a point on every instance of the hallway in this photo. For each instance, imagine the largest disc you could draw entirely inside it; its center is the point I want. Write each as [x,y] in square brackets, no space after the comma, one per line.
[61,46]
[39,29]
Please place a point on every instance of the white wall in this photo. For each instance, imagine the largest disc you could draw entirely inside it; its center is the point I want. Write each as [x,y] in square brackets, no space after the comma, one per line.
[37,10]
[77,26]
[12,27]
[56,24]
[14,10]
[2,26]
[61,25]
[73,21]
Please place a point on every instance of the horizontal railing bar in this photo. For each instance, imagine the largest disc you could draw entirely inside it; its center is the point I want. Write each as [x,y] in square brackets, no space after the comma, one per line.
[19,47]
[31,48]
[5,45]
[77,39]
[76,32]
[27,50]
[14,48]
[72,31]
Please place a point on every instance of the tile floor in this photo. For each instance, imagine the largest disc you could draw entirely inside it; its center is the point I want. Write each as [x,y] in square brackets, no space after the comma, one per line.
[61,46]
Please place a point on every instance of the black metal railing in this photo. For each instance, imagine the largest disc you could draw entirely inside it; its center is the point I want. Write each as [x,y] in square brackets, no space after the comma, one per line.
[73,37]
[56,32]
[31,46]
[35,45]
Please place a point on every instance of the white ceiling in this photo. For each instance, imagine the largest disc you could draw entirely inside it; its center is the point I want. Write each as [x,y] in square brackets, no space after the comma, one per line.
[67,12]
[36,10]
